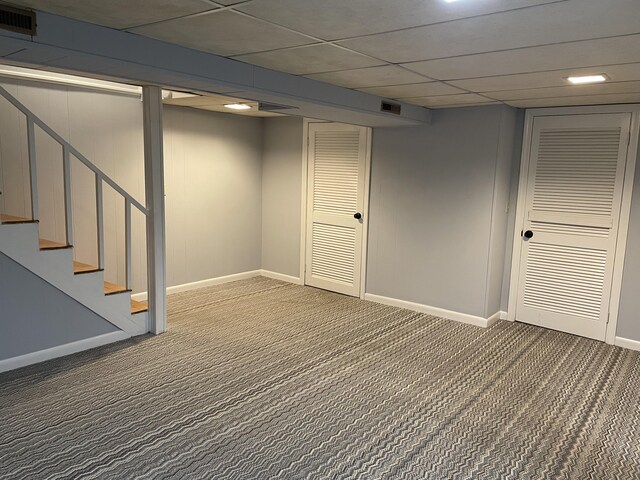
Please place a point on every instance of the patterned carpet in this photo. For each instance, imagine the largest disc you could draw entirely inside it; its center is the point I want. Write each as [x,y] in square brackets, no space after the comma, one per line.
[261,379]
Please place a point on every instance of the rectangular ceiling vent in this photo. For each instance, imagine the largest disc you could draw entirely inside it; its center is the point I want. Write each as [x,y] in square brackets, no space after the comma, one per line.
[273,107]
[389,107]
[17,20]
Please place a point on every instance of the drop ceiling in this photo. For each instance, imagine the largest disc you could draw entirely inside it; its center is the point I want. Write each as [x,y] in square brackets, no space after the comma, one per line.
[426,52]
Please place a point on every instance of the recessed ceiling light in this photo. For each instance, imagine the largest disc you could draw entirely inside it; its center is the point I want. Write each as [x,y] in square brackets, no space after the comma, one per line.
[237,106]
[450,1]
[581,80]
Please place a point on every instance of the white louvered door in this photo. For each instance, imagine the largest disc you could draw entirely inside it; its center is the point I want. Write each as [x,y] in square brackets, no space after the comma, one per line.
[336,184]
[572,210]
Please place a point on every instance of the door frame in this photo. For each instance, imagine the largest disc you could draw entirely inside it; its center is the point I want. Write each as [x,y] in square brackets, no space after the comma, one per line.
[625,208]
[304,203]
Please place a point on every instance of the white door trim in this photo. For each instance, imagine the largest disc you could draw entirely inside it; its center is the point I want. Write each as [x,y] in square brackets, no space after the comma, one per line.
[304,198]
[625,210]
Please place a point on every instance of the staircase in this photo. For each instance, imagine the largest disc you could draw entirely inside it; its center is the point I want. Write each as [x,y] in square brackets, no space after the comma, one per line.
[53,261]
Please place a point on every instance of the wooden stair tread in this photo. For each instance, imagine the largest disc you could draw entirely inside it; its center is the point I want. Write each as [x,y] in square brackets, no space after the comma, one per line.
[51,245]
[138,307]
[112,288]
[79,267]
[4,218]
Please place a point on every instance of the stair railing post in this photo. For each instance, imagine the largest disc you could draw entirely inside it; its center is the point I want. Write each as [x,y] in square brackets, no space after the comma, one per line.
[127,241]
[68,205]
[100,221]
[33,171]
[154,191]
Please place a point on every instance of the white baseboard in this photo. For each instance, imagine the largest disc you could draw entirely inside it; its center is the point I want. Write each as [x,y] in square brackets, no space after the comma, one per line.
[504,315]
[493,319]
[627,343]
[203,283]
[61,350]
[438,312]
[282,277]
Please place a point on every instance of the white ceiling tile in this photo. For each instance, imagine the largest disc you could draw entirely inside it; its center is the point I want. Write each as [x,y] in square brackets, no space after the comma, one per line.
[553,23]
[310,59]
[369,77]
[223,33]
[579,100]
[442,101]
[413,90]
[339,19]
[568,91]
[604,51]
[119,13]
[556,78]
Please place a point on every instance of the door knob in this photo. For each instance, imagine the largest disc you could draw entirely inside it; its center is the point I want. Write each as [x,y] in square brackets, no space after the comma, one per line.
[357,216]
[528,234]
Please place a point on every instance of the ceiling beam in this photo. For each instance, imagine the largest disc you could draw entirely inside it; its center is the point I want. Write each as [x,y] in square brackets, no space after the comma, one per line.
[70,46]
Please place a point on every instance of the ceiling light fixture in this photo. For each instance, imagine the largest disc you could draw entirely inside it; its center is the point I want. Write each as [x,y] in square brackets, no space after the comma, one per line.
[581,80]
[237,106]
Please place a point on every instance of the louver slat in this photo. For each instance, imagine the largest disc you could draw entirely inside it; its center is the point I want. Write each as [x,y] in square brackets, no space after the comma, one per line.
[576,171]
[336,168]
[333,253]
[578,291]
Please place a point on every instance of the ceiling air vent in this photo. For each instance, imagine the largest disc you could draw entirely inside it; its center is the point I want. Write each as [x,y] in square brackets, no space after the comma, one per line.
[389,107]
[273,107]
[17,20]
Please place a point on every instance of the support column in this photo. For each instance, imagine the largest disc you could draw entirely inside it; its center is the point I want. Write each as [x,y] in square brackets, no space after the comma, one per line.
[154,192]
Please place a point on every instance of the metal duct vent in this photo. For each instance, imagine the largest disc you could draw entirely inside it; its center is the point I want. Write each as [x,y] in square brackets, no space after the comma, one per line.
[17,20]
[273,107]
[389,107]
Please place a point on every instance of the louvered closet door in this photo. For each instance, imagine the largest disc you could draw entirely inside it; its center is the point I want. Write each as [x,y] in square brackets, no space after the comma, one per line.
[573,199]
[337,156]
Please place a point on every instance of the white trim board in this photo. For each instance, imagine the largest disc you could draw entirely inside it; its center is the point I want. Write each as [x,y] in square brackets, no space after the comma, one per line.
[282,277]
[209,282]
[627,343]
[438,312]
[203,283]
[61,350]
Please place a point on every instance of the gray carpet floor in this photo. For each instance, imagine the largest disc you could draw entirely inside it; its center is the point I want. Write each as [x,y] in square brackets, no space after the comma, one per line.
[262,379]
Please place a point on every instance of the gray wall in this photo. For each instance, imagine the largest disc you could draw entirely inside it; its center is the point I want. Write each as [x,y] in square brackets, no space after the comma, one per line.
[506,152]
[629,316]
[213,178]
[106,128]
[434,213]
[35,316]
[281,194]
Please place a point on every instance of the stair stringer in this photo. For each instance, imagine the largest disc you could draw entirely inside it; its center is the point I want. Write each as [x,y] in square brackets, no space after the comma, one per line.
[20,243]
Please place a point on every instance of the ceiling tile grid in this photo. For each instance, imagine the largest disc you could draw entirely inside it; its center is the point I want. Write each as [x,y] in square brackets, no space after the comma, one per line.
[431,53]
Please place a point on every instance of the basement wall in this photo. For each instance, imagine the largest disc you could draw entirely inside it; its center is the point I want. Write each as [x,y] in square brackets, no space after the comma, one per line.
[35,316]
[107,129]
[438,209]
[213,181]
[281,195]
[213,172]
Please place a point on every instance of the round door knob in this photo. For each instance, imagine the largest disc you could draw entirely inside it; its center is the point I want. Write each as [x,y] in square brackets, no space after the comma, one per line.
[357,216]
[528,234]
